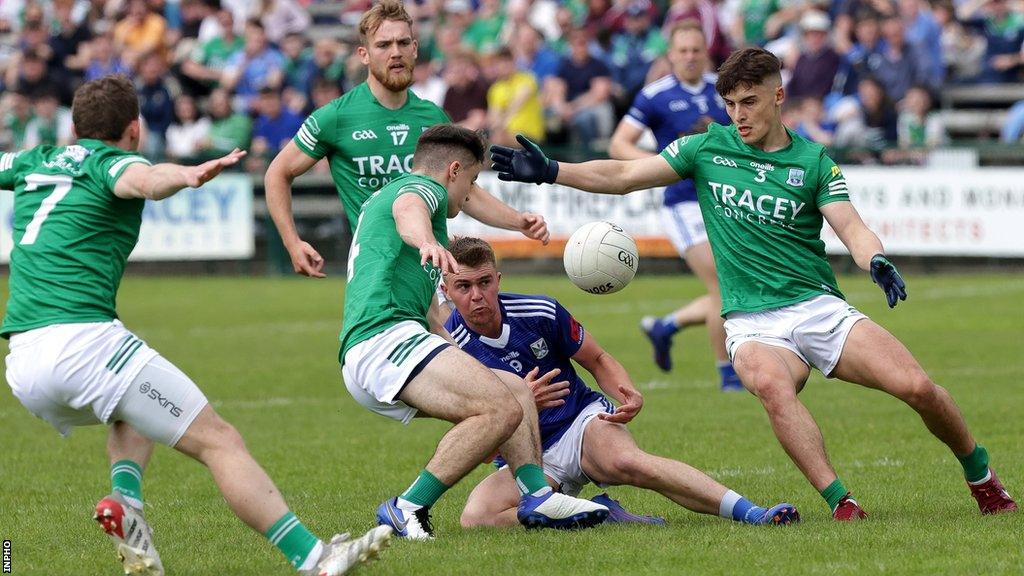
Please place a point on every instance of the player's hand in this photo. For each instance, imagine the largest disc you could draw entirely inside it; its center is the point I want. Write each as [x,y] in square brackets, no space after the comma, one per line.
[306,260]
[439,257]
[884,273]
[535,228]
[196,176]
[547,394]
[526,165]
[634,401]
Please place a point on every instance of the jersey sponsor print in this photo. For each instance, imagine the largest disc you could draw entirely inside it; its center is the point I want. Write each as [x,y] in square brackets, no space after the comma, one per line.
[762,213]
[366,144]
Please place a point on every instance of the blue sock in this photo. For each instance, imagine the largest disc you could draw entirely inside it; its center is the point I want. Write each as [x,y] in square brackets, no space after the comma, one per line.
[668,324]
[740,509]
[728,373]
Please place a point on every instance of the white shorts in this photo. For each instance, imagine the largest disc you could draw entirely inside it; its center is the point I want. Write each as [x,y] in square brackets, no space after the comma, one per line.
[79,374]
[685,225]
[376,370]
[562,461]
[815,330]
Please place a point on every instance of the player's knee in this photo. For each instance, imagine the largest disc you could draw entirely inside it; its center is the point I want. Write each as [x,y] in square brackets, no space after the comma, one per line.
[474,517]
[921,391]
[627,468]
[222,436]
[509,418]
[773,392]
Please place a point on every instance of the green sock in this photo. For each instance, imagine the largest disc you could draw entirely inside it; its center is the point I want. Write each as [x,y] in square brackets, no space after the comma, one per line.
[126,480]
[292,539]
[975,464]
[530,479]
[425,490]
[833,493]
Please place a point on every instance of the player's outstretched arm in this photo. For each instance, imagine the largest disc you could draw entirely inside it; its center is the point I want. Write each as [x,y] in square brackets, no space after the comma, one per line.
[866,249]
[598,176]
[164,180]
[485,207]
[289,164]
[412,220]
[612,378]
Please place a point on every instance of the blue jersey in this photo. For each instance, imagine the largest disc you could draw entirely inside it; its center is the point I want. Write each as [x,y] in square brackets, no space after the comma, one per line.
[536,331]
[672,109]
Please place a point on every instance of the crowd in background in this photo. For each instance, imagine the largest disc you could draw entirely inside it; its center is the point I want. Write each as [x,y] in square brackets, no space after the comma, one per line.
[216,74]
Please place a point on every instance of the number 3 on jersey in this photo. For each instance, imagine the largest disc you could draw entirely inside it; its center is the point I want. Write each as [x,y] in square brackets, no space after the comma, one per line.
[61,186]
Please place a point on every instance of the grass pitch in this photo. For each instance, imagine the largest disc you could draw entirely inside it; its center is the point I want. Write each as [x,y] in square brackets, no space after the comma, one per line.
[264,352]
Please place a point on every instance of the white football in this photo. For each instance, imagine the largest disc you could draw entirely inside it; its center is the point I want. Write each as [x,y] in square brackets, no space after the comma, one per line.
[600,258]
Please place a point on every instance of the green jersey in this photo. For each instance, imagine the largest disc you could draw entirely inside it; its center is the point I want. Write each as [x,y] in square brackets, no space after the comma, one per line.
[386,283]
[72,236]
[761,211]
[366,144]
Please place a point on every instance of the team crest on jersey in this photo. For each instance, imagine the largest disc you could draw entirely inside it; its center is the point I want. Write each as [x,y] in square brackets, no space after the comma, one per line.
[796,177]
[539,348]
[70,159]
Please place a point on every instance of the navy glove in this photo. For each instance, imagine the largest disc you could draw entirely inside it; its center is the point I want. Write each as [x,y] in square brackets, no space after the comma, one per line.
[526,165]
[884,274]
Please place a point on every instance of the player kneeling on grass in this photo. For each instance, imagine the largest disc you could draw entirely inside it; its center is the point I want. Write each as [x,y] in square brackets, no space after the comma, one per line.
[764,193]
[77,213]
[394,367]
[584,437]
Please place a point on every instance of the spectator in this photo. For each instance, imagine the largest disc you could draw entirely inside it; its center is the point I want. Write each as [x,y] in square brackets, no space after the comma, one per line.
[141,32]
[816,67]
[482,35]
[465,101]
[868,47]
[50,123]
[298,69]
[635,48]
[283,17]
[228,129]
[324,92]
[68,40]
[748,28]
[580,94]
[32,77]
[188,131]
[1003,29]
[901,65]
[256,67]
[199,22]
[209,61]
[923,31]
[873,127]
[962,51]
[810,121]
[513,103]
[918,125]
[532,55]
[426,82]
[852,12]
[702,11]
[17,115]
[155,103]
[99,59]
[328,61]
[275,125]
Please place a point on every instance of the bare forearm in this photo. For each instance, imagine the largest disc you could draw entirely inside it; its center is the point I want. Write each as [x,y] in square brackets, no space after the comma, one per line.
[598,176]
[279,203]
[163,181]
[863,244]
[485,208]
[413,225]
[609,375]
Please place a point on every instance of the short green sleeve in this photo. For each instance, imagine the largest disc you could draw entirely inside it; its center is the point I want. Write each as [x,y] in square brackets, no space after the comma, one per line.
[831,182]
[682,154]
[114,166]
[316,133]
[8,174]
[432,197]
